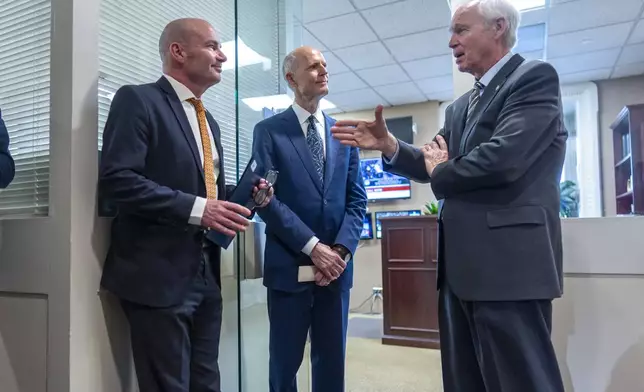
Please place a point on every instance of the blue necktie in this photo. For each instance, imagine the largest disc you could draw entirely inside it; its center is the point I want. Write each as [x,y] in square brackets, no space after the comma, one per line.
[314,142]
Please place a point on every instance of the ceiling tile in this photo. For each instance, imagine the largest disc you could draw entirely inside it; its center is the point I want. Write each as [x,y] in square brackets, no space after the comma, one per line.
[309,40]
[531,38]
[433,85]
[429,67]
[333,64]
[411,16]
[534,16]
[579,15]
[586,76]
[638,34]
[420,45]
[633,69]
[316,10]
[631,54]
[342,31]
[589,40]
[345,82]
[585,61]
[362,4]
[365,56]
[401,93]
[381,76]
[442,96]
[348,99]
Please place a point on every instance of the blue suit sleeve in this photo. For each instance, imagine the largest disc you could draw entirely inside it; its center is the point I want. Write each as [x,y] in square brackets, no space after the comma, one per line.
[7,165]
[278,217]
[356,206]
[122,172]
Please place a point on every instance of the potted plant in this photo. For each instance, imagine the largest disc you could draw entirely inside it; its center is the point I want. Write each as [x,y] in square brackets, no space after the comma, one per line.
[569,195]
[431,208]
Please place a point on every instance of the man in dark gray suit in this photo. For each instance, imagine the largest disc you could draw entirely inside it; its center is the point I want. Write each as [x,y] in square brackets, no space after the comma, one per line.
[496,165]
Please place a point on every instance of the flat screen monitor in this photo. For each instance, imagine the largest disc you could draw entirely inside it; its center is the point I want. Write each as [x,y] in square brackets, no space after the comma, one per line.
[367,227]
[381,185]
[387,214]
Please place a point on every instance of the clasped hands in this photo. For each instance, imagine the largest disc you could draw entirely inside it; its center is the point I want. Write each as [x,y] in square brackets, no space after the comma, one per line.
[230,218]
[329,264]
[434,154]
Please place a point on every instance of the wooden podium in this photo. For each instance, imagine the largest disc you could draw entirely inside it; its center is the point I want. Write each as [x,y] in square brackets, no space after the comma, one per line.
[409,268]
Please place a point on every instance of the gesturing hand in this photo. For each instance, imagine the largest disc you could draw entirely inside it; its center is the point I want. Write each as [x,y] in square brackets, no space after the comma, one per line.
[225,217]
[435,153]
[327,261]
[372,135]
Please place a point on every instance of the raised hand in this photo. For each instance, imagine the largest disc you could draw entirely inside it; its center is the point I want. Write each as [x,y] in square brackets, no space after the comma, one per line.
[225,217]
[435,153]
[372,135]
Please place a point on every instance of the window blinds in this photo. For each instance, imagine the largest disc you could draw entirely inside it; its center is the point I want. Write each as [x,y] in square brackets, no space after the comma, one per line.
[25,31]
[129,54]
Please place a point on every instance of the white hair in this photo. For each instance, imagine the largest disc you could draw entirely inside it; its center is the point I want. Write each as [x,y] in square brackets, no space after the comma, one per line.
[288,66]
[492,10]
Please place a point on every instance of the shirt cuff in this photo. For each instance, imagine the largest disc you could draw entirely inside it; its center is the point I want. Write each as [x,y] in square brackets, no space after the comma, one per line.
[392,161]
[308,248]
[197,211]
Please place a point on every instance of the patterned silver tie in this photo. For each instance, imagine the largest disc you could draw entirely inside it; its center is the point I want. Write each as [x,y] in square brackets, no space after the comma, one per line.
[475,96]
[316,147]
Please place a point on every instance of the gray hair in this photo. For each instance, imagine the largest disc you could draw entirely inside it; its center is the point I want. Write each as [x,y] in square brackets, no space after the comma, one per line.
[289,64]
[491,10]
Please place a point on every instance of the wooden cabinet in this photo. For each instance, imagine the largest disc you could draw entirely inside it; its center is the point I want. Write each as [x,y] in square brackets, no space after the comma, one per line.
[409,268]
[628,147]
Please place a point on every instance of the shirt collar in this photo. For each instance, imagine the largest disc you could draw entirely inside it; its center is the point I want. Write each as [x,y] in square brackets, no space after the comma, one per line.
[303,115]
[491,73]
[183,92]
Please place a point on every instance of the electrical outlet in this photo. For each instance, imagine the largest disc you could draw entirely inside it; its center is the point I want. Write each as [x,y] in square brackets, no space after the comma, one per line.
[376,290]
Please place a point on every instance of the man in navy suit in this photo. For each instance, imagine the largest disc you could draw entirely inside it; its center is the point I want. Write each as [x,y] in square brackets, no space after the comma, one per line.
[313,227]
[162,166]
[7,166]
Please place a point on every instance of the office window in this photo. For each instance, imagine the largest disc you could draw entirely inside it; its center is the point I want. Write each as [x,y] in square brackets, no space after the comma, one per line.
[25,36]
[128,54]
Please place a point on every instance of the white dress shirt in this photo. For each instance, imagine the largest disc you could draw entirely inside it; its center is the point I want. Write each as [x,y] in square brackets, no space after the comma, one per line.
[485,80]
[320,124]
[184,94]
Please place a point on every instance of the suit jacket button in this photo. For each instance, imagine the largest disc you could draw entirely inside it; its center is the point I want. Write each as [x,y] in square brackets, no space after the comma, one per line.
[324,202]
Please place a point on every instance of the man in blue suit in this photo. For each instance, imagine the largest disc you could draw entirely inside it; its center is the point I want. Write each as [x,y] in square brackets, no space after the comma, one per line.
[313,227]
[162,166]
[7,166]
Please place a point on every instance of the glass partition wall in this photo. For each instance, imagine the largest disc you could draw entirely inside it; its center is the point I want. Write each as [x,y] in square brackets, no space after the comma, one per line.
[255,36]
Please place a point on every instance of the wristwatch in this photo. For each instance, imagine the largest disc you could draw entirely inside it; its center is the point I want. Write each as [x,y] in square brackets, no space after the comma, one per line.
[342,251]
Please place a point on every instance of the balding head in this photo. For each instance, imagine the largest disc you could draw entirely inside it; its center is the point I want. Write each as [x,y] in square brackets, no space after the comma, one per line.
[180,31]
[191,53]
[305,71]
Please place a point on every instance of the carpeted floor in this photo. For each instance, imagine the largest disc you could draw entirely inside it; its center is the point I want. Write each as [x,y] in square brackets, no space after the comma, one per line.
[374,367]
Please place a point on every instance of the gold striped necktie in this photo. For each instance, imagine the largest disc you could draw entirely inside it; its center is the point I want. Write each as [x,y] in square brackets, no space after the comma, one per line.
[208,160]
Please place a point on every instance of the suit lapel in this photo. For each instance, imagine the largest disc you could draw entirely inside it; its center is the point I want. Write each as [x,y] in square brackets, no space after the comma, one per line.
[295,134]
[332,146]
[180,114]
[489,93]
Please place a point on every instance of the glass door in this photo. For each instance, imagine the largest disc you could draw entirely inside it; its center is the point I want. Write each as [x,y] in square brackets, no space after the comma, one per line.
[266,30]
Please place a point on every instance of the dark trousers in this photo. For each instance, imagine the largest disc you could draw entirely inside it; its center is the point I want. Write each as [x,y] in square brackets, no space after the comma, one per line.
[176,348]
[325,311]
[497,346]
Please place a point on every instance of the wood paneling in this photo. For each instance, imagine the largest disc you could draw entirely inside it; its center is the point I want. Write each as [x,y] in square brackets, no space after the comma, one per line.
[409,268]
